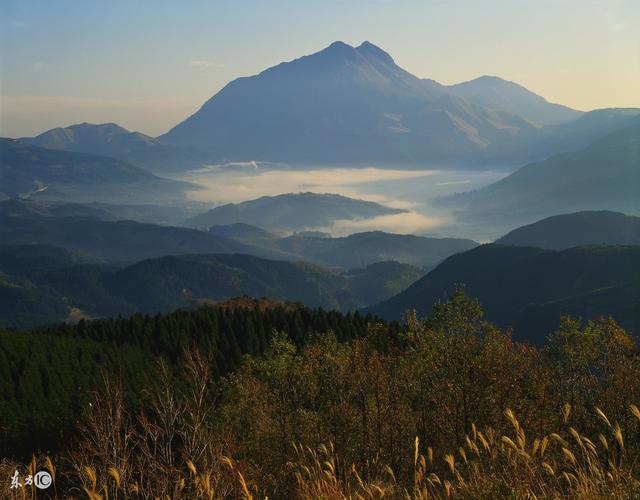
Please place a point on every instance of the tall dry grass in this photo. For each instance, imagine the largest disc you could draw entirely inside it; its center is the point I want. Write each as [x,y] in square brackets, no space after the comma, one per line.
[562,464]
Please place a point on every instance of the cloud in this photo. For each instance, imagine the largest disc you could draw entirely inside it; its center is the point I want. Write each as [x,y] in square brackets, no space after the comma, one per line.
[204,64]
[224,185]
[413,190]
[406,223]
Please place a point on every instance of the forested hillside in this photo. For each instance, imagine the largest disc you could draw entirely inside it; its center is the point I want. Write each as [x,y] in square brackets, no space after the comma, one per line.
[576,229]
[291,212]
[40,284]
[46,376]
[529,289]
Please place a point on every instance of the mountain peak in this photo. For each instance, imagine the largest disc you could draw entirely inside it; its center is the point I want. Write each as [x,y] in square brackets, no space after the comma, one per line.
[365,50]
[494,92]
[100,127]
[339,44]
[338,49]
[370,49]
[490,78]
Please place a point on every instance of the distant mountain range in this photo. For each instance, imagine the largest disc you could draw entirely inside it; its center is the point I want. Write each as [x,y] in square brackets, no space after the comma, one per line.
[110,139]
[291,212]
[96,233]
[577,229]
[169,282]
[39,293]
[363,249]
[21,259]
[603,176]
[242,232]
[521,286]
[25,222]
[530,288]
[30,171]
[353,105]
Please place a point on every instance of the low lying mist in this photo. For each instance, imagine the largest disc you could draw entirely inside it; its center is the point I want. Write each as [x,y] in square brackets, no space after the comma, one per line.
[417,191]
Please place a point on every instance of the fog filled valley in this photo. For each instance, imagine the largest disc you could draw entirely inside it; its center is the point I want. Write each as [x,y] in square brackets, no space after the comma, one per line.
[335,279]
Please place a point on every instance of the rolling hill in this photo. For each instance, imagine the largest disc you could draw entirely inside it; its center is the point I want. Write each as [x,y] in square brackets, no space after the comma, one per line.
[362,249]
[170,282]
[44,292]
[23,304]
[577,229]
[529,288]
[26,222]
[603,176]
[242,232]
[381,280]
[353,251]
[82,229]
[30,171]
[291,212]
[22,259]
[110,139]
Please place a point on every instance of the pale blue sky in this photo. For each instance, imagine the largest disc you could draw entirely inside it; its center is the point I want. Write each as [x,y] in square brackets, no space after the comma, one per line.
[149,64]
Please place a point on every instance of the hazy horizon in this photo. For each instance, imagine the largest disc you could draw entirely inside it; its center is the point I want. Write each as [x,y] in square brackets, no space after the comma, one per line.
[148,69]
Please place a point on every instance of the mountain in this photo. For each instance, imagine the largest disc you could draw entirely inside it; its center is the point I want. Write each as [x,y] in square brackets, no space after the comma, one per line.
[44,291]
[353,251]
[242,232]
[381,280]
[588,128]
[30,171]
[494,92]
[22,259]
[581,228]
[26,222]
[603,176]
[170,282]
[362,249]
[350,104]
[110,139]
[529,288]
[354,105]
[291,212]
[166,214]
[22,304]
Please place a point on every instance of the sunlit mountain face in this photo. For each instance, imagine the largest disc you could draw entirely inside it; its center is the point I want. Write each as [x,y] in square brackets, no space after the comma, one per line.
[354,104]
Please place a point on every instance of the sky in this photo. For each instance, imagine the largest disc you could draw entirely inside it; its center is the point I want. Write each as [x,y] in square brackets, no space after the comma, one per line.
[147,65]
